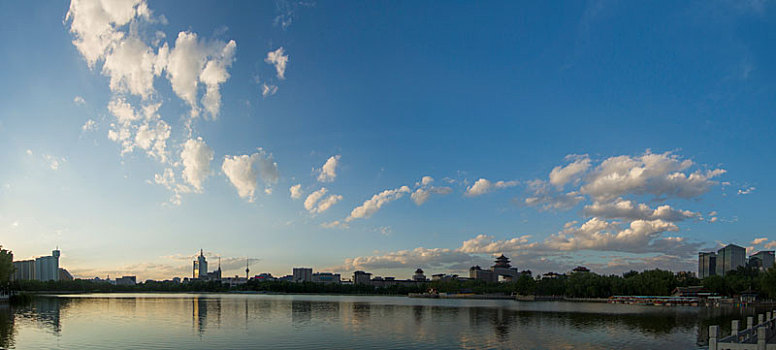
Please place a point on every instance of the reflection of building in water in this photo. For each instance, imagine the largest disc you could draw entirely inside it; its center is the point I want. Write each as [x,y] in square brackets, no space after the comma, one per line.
[199,312]
[301,312]
[47,311]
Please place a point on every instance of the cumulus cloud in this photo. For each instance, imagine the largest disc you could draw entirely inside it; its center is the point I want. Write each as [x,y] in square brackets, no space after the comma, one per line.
[53,162]
[411,259]
[483,186]
[548,198]
[629,210]
[328,171]
[561,175]
[770,245]
[758,241]
[168,180]
[89,125]
[313,205]
[296,191]
[243,171]
[79,100]
[279,59]
[640,236]
[485,244]
[660,175]
[424,190]
[142,129]
[372,205]
[193,61]
[196,157]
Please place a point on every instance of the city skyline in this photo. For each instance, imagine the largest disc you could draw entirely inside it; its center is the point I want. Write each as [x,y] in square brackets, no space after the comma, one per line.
[300,134]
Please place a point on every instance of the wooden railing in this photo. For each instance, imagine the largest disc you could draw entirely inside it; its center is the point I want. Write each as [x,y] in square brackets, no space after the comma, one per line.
[754,337]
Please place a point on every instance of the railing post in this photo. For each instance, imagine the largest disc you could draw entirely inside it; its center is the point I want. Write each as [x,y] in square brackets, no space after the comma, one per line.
[713,330]
[749,322]
[761,338]
[734,329]
[768,316]
[760,318]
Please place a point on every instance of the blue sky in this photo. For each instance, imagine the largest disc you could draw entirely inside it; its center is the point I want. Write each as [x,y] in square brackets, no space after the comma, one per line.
[612,135]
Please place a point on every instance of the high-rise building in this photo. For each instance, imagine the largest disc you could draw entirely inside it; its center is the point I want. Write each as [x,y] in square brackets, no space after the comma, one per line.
[764,259]
[302,274]
[24,270]
[730,258]
[361,277]
[707,264]
[200,266]
[44,268]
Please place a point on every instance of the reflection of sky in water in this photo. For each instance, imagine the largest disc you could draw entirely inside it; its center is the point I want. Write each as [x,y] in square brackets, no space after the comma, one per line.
[206,321]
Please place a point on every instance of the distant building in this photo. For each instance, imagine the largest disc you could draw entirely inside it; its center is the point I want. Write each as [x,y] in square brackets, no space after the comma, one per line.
[580,269]
[551,275]
[501,270]
[419,276]
[24,270]
[730,258]
[763,260]
[707,264]
[44,268]
[303,274]
[326,277]
[64,275]
[176,279]
[264,277]
[361,277]
[200,266]
[126,281]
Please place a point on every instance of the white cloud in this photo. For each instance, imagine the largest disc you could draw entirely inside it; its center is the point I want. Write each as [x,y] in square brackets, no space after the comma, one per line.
[548,198]
[95,24]
[640,236]
[561,175]
[168,180]
[327,203]
[89,125]
[771,245]
[268,89]
[79,100]
[53,162]
[192,61]
[328,171]
[483,186]
[130,66]
[243,172]
[372,205]
[745,191]
[279,60]
[411,259]
[660,175]
[485,244]
[196,157]
[313,205]
[296,191]
[628,210]
[309,202]
[425,190]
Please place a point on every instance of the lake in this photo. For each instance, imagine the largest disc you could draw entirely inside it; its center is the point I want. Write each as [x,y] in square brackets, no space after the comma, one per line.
[249,321]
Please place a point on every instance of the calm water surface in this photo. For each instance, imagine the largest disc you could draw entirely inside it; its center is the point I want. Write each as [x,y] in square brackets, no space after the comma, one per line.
[229,321]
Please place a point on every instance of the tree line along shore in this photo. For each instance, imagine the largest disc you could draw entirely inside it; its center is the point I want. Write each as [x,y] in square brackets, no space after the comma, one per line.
[574,285]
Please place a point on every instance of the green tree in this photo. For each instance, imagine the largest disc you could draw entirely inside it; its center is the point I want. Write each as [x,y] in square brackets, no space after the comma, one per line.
[6,266]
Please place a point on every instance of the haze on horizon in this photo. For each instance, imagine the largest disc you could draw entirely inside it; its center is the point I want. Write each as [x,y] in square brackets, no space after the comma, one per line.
[385,136]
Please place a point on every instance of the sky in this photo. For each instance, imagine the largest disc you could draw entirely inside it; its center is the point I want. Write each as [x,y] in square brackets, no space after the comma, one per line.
[385,136]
